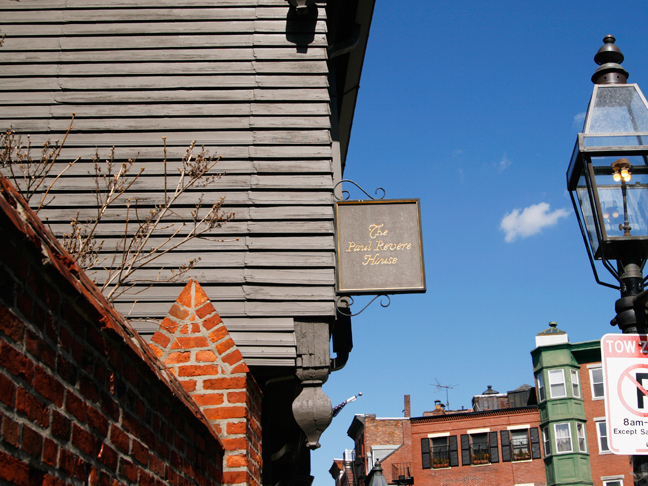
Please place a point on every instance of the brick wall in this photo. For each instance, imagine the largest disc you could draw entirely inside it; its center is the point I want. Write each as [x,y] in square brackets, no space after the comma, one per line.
[606,464]
[494,474]
[82,398]
[194,344]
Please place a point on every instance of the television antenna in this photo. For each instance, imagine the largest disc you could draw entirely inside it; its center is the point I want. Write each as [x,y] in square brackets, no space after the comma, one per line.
[440,387]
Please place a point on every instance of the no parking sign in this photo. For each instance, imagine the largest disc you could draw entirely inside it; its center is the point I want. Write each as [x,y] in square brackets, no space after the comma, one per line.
[625,372]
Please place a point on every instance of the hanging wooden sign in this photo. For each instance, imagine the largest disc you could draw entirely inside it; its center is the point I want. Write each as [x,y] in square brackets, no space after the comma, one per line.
[379,247]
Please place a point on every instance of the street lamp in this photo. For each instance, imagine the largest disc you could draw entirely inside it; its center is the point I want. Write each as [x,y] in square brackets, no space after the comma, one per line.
[608,183]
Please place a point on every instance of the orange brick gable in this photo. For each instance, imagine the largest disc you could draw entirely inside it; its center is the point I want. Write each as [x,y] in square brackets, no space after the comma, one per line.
[194,344]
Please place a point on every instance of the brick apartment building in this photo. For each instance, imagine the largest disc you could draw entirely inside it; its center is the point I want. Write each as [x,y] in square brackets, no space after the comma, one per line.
[554,434]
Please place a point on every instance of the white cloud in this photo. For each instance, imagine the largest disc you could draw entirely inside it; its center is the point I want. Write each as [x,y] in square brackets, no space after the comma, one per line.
[579,120]
[529,221]
[504,163]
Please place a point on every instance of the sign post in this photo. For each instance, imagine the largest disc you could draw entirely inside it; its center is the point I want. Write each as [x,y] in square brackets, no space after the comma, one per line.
[625,375]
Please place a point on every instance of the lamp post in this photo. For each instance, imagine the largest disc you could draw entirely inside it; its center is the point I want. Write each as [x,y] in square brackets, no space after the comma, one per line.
[608,183]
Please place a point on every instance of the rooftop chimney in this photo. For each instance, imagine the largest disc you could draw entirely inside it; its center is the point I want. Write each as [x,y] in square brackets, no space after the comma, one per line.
[407,410]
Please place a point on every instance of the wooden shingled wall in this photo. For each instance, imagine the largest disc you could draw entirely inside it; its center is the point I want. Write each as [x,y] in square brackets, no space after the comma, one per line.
[238,76]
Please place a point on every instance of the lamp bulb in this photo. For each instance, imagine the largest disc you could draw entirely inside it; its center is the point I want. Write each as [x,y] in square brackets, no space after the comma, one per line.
[616,176]
[615,214]
[625,174]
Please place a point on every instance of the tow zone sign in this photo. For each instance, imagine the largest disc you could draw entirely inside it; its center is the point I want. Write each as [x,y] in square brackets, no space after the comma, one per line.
[625,374]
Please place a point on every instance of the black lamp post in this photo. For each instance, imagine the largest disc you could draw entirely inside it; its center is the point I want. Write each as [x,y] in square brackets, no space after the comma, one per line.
[608,183]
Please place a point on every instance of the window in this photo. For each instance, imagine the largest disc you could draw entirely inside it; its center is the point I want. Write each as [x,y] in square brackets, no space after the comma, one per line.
[520,445]
[563,438]
[541,388]
[547,442]
[582,442]
[596,378]
[612,480]
[440,452]
[601,429]
[557,383]
[575,382]
[479,449]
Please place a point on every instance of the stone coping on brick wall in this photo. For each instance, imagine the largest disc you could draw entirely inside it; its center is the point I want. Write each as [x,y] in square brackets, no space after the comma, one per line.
[17,213]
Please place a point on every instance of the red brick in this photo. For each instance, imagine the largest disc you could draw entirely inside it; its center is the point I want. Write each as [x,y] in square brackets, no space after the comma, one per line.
[88,389]
[31,407]
[241,368]
[161,339]
[16,363]
[7,391]
[178,357]
[119,439]
[206,356]
[178,312]
[234,477]
[140,453]
[75,406]
[128,469]
[11,431]
[237,397]
[83,440]
[185,296]
[224,346]
[157,351]
[40,349]
[236,383]
[195,370]
[232,358]
[224,413]
[60,425]
[32,441]
[13,470]
[189,385]
[169,325]
[108,456]
[236,461]
[145,479]
[208,399]
[10,324]
[50,452]
[218,334]
[97,421]
[48,386]
[131,424]
[66,370]
[192,342]
[25,304]
[205,311]
[234,428]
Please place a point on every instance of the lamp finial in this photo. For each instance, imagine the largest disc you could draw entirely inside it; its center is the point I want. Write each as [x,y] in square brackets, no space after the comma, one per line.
[609,59]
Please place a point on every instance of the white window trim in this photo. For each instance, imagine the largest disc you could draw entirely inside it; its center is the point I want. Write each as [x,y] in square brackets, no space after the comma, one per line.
[592,368]
[572,374]
[546,439]
[541,386]
[478,431]
[518,427]
[571,440]
[598,420]
[608,479]
[440,434]
[579,437]
[564,382]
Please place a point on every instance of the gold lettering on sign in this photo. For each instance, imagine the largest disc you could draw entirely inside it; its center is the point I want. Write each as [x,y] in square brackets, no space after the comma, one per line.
[375,231]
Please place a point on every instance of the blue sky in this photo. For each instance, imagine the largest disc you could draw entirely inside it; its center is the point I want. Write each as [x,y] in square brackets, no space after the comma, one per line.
[474,107]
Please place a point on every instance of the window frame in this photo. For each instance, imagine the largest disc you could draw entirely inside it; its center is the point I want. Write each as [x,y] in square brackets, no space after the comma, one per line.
[612,480]
[582,438]
[521,457]
[542,393]
[592,370]
[575,383]
[556,438]
[546,441]
[486,452]
[440,464]
[600,436]
[555,372]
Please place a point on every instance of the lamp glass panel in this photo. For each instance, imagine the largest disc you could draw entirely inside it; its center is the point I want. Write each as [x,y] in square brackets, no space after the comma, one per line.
[587,214]
[620,110]
[611,196]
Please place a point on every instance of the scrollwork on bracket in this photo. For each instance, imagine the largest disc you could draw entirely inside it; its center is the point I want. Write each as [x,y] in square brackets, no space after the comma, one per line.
[348,301]
[346,194]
